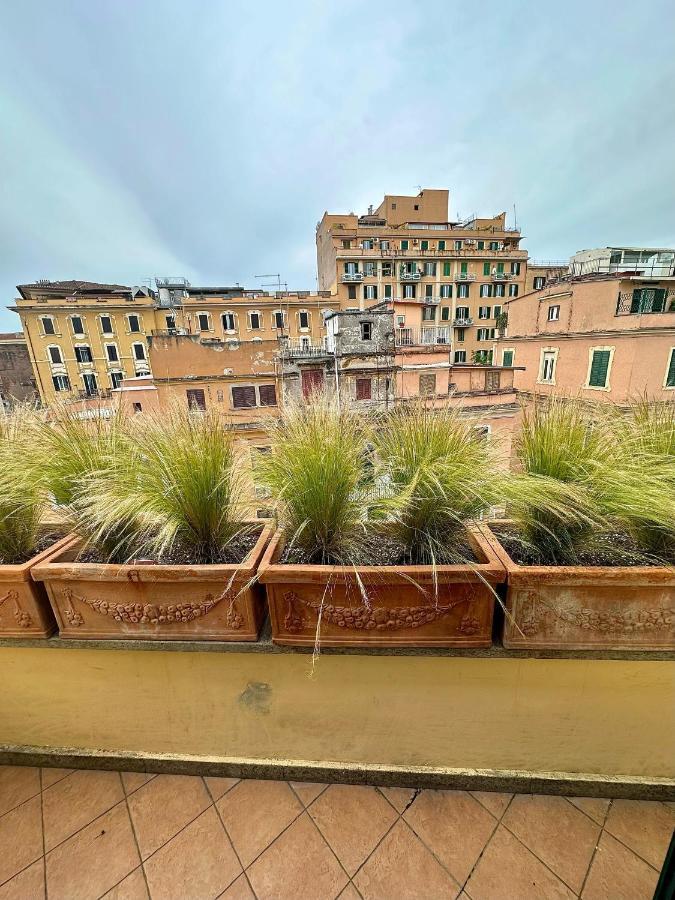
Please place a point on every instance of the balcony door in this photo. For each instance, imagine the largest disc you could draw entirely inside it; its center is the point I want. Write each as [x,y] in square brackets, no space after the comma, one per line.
[312,382]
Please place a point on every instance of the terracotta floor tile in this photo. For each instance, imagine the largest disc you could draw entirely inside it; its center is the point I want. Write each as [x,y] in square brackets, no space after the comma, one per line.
[163,806]
[298,865]
[219,786]
[198,862]
[454,826]
[132,781]
[350,893]
[255,813]
[132,888]
[51,775]
[307,791]
[645,826]
[618,874]
[398,797]
[559,834]
[353,820]
[493,801]
[95,859]
[238,890]
[595,807]
[77,800]
[508,871]
[17,784]
[402,868]
[20,838]
[27,885]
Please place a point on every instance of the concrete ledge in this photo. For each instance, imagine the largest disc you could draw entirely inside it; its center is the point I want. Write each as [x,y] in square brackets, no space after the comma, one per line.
[568,784]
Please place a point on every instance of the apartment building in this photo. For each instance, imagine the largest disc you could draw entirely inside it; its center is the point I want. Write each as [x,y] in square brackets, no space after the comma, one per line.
[541,273]
[648,261]
[602,337]
[17,382]
[447,281]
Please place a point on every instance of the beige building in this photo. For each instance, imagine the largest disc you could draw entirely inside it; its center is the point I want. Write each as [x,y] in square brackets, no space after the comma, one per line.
[448,281]
[603,337]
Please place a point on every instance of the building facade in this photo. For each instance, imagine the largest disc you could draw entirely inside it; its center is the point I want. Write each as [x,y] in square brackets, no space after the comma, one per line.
[647,261]
[17,382]
[447,281]
[602,337]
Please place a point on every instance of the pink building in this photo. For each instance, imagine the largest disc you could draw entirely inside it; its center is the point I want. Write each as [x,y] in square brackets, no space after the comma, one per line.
[606,337]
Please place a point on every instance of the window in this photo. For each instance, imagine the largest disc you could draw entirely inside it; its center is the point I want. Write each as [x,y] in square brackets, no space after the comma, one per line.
[483,334]
[368,244]
[351,291]
[346,244]
[553,313]
[387,292]
[463,291]
[83,354]
[77,325]
[494,245]
[547,369]
[111,353]
[386,270]
[428,290]
[351,268]
[446,291]
[424,245]
[404,245]
[483,312]
[106,325]
[170,322]
[409,291]
[138,407]
[499,290]
[445,314]
[203,321]
[481,245]
[243,397]
[464,268]
[496,311]
[196,399]
[48,326]
[539,282]
[446,268]
[515,268]
[458,245]
[486,268]
[400,320]
[646,300]
[363,388]
[303,319]
[427,384]
[485,290]
[670,371]
[417,206]
[429,314]
[90,384]
[441,245]
[370,269]
[513,290]
[500,268]
[598,369]
[370,292]
[384,245]
[492,380]
[55,355]
[366,331]
[254,320]
[139,351]
[460,356]
[312,382]
[430,268]
[61,383]
[267,394]
[229,322]
[134,324]
[507,358]
[116,379]
[460,334]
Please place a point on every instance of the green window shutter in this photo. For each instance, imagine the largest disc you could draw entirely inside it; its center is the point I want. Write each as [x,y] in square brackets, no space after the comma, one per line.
[670,380]
[425,245]
[404,245]
[387,290]
[500,268]
[636,302]
[464,268]
[659,303]
[507,359]
[413,267]
[441,245]
[445,313]
[599,367]
[481,245]
[486,268]
[446,268]
[461,332]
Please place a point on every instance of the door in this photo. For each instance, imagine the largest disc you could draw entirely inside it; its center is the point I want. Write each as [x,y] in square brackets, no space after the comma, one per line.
[312,382]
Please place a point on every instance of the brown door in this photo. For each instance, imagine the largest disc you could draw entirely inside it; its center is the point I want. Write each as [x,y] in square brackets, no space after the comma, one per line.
[312,382]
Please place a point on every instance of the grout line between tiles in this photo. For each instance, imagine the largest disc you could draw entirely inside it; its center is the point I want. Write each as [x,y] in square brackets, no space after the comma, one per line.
[325,840]
[127,793]
[634,852]
[42,826]
[539,859]
[133,831]
[393,825]
[118,883]
[227,835]
[90,822]
[489,840]
[25,800]
[595,849]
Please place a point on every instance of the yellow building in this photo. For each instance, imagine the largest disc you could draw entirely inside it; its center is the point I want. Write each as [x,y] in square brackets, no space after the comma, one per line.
[448,281]
[84,338]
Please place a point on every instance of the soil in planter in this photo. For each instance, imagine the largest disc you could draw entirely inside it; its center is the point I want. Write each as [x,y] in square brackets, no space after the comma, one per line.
[233,554]
[44,542]
[617,549]
[382,552]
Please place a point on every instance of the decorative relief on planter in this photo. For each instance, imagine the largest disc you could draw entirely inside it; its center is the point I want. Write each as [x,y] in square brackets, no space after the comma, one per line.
[534,614]
[367,618]
[152,613]
[22,618]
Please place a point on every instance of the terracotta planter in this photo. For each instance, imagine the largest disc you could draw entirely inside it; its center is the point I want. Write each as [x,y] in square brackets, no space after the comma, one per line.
[162,602]
[24,607]
[403,609]
[588,607]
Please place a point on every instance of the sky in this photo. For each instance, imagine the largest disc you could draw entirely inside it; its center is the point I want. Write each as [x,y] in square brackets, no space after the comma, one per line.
[206,138]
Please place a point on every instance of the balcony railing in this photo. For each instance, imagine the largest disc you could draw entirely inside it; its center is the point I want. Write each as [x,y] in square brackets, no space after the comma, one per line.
[630,270]
[168,332]
[410,276]
[650,302]
[503,276]
[464,276]
[460,322]
[93,395]
[352,276]
[424,337]
[300,349]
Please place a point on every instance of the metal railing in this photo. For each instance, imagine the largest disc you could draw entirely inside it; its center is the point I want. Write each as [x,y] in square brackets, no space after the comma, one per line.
[643,270]
[93,395]
[503,276]
[168,332]
[460,322]
[410,276]
[649,302]
[464,276]
[423,337]
[299,349]
[352,276]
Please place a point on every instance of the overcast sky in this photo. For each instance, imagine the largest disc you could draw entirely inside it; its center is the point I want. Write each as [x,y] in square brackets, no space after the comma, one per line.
[206,139]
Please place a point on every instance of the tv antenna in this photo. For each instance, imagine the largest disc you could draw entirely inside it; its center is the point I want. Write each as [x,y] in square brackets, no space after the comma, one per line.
[273,284]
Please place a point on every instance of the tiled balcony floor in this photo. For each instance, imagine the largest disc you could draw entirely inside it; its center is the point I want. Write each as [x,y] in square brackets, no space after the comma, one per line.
[127,836]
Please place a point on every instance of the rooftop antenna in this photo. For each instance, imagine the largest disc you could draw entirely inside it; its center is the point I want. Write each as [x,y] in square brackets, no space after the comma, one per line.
[419,188]
[278,284]
[515,217]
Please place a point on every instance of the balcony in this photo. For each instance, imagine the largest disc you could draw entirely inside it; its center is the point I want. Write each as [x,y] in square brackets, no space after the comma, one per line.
[350,277]
[650,301]
[303,350]
[462,322]
[169,332]
[410,276]
[429,336]
[503,276]
[464,276]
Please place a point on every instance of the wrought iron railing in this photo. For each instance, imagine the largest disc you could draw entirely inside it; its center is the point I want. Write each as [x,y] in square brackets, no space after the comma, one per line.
[645,301]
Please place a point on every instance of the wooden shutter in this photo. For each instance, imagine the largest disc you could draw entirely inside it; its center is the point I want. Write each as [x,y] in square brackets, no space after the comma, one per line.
[428,383]
[441,245]
[446,268]
[486,268]
[507,359]
[599,368]
[363,389]
[425,245]
[268,394]
[312,381]
[404,245]
[464,268]
[445,313]
[243,397]
[659,301]
[196,399]
[670,380]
